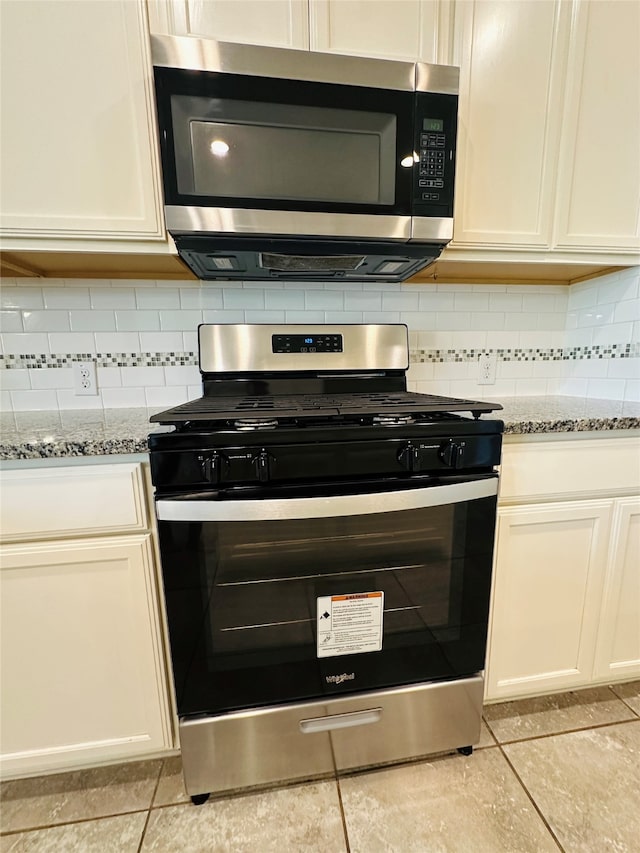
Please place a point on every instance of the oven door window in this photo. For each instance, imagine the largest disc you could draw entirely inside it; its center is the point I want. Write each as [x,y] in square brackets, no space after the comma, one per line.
[242,601]
[236,141]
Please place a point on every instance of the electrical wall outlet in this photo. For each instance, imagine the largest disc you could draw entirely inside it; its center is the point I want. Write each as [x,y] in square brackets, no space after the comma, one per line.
[85,382]
[487,369]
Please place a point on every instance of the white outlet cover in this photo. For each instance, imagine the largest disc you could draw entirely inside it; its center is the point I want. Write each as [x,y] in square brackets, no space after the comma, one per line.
[85,380]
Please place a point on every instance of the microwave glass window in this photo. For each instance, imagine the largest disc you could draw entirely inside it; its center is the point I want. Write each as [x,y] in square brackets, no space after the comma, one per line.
[244,149]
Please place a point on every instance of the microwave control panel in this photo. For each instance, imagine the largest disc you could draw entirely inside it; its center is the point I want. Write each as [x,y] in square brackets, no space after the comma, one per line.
[435,149]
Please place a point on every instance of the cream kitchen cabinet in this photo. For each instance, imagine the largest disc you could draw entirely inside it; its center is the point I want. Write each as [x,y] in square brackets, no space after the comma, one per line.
[79,151]
[391,29]
[83,675]
[566,598]
[548,146]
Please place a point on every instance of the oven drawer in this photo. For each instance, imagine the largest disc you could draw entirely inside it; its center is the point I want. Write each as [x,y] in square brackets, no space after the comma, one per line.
[313,739]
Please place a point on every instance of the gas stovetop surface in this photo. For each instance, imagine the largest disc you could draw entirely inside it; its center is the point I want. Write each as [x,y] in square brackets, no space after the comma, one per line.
[267,408]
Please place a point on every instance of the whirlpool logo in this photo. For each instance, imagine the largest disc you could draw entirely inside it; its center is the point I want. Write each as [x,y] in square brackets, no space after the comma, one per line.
[338,679]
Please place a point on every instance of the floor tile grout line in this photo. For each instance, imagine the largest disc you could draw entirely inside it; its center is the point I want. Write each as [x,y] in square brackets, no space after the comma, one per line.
[343,816]
[40,827]
[153,796]
[532,800]
[569,731]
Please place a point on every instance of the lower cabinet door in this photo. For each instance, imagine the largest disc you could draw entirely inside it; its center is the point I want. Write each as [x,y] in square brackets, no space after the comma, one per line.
[82,668]
[549,572]
[618,646]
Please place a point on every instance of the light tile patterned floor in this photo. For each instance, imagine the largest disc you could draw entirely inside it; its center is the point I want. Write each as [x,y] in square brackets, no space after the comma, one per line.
[555,773]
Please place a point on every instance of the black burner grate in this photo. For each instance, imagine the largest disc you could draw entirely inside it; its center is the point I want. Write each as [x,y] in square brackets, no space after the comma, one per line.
[318,405]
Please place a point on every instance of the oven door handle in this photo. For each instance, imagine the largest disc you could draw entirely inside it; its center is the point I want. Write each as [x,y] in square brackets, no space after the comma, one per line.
[276,509]
[340,721]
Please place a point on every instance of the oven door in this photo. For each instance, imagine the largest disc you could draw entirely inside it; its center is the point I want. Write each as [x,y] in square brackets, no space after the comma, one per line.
[278,599]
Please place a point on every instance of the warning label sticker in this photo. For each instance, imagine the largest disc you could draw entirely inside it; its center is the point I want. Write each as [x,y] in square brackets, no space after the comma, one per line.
[350,624]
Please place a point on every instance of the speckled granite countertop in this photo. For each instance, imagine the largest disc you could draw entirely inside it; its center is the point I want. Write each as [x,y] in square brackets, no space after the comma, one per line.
[41,435]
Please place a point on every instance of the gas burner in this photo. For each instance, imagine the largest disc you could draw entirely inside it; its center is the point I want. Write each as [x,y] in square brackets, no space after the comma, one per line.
[393,420]
[248,424]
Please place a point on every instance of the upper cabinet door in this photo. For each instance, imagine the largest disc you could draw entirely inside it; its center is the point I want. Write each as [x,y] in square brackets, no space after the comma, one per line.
[512,58]
[599,175]
[402,29]
[79,156]
[277,23]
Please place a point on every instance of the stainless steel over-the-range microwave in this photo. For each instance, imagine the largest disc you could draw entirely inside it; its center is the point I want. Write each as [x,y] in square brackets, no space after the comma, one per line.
[294,164]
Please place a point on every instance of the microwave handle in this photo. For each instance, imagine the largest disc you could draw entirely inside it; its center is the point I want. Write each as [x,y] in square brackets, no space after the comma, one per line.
[276,509]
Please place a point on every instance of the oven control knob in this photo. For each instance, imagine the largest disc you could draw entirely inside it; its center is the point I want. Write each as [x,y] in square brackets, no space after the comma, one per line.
[211,466]
[261,462]
[409,456]
[452,453]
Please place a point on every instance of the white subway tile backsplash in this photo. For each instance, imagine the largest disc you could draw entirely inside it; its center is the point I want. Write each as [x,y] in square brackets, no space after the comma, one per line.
[71,342]
[615,333]
[20,297]
[403,301]
[627,311]
[418,320]
[471,302]
[68,399]
[108,377]
[381,317]
[6,403]
[46,321]
[363,301]
[201,297]
[343,317]
[15,380]
[32,401]
[505,302]
[284,300]
[189,375]
[606,389]
[51,379]
[137,321]
[583,295]
[133,317]
[15,343]
[264,316]
[324,300]
[92,321]
[316,317]
[160,342]
[180,321]
[632,390]
[241,298]
[113,297]
[123,398]
[520,322]
[165,397]
[453,320]
[157,297]
[134,376]
[436,301]
[118,342]
[66,297]
[487,320]
[215,315]
[531,387]
[623,368]
[11,321]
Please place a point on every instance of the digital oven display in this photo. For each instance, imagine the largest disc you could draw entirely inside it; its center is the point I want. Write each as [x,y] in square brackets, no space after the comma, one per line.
[306,343]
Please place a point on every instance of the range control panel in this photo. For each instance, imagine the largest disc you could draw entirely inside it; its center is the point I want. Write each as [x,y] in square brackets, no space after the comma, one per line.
[435,149]
[306,343]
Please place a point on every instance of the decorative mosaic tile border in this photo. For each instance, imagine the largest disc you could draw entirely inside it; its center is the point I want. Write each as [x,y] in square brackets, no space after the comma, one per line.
[599,351]
[102,359]
[417,356]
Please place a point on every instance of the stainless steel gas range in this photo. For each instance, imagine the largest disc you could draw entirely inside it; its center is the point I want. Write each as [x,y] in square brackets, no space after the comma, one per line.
[326,541]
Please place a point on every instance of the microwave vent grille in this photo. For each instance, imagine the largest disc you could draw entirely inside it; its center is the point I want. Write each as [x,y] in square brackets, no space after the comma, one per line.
[310,263]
